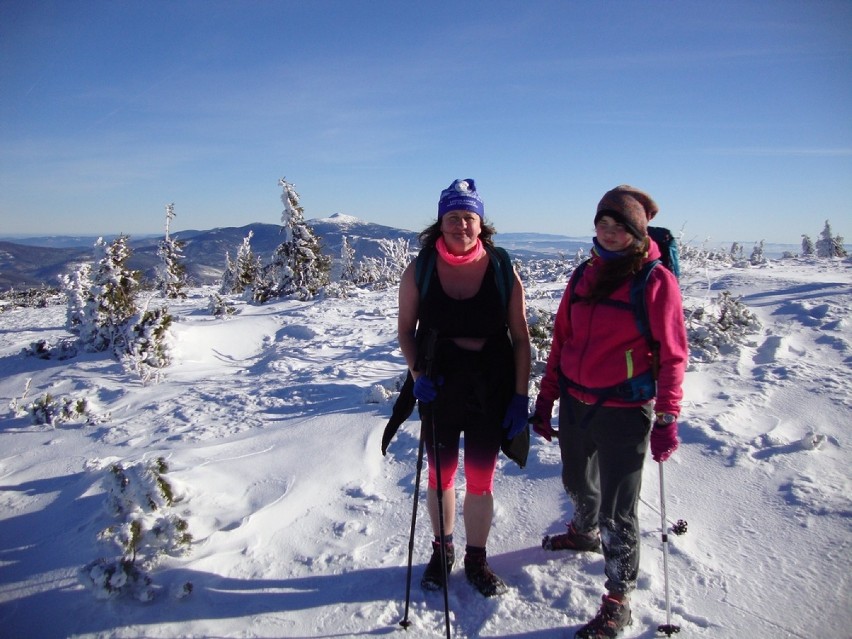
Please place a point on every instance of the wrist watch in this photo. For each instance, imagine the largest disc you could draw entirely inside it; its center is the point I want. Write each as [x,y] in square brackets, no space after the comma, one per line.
[666,419]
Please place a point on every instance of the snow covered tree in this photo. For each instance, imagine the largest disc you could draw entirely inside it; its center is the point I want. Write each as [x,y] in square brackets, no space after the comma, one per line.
[381,273]
[244,271]
[77,286]
[172,280]
[737,251]
[839,249]
[298,266]
[757,255]
[111,298]
[149,343]
[102,311]
[347,261]
[807,246]
[828,246]
[229,277]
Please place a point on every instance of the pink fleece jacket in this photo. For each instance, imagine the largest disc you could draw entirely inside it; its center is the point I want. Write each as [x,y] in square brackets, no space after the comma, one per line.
[598,345]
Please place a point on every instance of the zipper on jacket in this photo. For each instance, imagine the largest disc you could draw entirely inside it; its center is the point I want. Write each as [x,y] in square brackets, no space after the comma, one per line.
[628,356]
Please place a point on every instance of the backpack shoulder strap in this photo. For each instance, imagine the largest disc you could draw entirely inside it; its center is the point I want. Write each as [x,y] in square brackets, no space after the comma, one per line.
[637,299]
[424,264]
[504,274]
[574,278]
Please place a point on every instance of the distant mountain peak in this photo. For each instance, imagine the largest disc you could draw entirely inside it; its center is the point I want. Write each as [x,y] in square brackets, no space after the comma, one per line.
[341,219]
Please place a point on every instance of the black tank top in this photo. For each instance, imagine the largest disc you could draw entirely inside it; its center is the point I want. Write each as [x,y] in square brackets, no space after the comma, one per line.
[481,316]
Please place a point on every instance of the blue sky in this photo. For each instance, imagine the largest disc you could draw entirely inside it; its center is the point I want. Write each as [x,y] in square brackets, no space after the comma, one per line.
[735,116]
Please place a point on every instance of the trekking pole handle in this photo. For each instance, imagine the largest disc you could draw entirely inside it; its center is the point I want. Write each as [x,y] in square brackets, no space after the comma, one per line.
[429,351]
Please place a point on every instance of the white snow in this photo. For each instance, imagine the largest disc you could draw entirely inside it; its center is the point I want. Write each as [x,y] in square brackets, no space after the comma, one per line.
[270,427]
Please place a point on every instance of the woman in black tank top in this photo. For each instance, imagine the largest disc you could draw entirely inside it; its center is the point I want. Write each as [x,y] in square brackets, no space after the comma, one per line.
[475,383]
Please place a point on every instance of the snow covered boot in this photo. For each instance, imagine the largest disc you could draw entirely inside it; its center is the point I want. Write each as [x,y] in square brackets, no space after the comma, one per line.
[573,540]
[611,619]
[479,573]
[433,576]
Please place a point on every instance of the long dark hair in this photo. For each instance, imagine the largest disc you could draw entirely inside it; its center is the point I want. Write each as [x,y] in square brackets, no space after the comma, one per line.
[612,273]
[430,234]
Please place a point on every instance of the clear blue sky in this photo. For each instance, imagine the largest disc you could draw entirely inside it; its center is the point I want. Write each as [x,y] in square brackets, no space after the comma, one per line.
[736,116]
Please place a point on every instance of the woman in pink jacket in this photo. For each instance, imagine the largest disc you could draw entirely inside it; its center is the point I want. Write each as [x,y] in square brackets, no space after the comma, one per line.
[618,389]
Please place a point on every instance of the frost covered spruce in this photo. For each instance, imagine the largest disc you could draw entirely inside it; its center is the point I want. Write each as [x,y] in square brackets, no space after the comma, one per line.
[103,310]
[141,502]
[171,276]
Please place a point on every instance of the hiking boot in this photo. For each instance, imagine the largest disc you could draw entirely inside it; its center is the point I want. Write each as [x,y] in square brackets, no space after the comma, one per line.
[573,540]
[479,574]
[611,619]
[433,576]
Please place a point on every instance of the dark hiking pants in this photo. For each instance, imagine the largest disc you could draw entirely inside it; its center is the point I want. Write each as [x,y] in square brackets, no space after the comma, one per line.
[602,474]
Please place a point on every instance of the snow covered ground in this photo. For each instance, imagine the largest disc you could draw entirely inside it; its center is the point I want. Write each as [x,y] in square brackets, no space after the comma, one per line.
[270,423]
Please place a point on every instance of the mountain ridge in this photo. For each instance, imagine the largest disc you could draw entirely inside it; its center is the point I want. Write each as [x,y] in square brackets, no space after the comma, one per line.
[42,260]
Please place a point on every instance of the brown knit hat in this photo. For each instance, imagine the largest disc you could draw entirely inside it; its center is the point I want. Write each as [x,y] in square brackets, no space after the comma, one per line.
[629,206]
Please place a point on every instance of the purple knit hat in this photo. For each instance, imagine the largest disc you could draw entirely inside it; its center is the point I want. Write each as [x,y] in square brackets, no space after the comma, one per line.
[461,195]
[629,206]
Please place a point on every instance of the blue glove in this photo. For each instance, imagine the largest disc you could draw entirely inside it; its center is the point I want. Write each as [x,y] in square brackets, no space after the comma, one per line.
[425,389]
[516,415]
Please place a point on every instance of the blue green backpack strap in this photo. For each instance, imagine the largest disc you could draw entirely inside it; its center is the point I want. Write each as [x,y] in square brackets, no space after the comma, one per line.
[424,264]
[503,272]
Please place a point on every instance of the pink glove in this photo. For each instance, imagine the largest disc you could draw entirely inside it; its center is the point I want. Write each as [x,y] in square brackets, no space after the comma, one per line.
[663,441]
[541,418]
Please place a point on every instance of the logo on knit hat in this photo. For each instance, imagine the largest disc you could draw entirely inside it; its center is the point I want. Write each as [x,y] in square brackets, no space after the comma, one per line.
[461,195]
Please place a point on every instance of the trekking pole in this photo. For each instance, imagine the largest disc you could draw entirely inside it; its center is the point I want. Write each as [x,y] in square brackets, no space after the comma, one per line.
[668,629]
[405,622]
[440,495]
[431,340]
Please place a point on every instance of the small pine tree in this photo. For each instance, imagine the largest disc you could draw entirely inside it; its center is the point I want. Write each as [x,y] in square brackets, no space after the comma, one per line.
[837,247]
[111,300]
[807,246]
[737,251]
[229,277]
[172,273]
[347,261]
[298,266]
[246,267]
[77,286]
[149,343]
[828,245]
[825,243]
[757,255]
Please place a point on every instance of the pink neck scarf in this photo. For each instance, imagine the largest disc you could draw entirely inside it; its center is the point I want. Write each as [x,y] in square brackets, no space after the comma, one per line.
[458,260]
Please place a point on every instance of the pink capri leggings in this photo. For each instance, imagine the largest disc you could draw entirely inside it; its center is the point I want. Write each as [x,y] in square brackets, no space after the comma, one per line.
[480,461]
